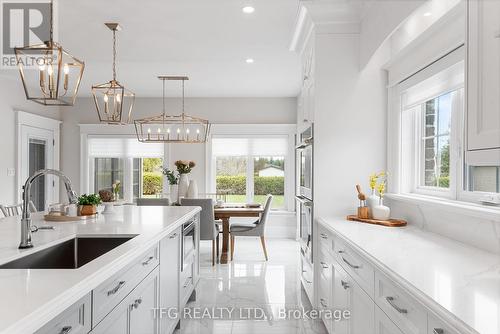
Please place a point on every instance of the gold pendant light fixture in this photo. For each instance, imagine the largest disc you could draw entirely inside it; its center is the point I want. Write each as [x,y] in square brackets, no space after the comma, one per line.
[165,128]
[113,102]
[56,80]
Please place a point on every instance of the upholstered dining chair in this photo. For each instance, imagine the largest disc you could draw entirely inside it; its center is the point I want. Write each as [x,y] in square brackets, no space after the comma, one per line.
[209,227]
[153,202]
[16,210]
[256,229]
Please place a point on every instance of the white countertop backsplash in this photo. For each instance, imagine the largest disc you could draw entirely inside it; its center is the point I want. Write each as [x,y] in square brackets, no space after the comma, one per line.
[440,272]
[30,297]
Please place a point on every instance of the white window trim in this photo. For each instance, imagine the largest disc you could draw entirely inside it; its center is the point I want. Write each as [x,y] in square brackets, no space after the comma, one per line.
[89,130]
[256,130]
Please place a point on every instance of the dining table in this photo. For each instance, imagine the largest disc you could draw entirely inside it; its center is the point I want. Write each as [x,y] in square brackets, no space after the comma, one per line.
[225,213]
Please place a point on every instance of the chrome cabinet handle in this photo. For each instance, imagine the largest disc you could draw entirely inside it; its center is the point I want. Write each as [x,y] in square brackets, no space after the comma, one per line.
[173,236]
[145,263]
[116,288]
[187,281]
[345,285]
[324,265]
[438,331]
[390,300]
[322,302]
[66,330]
[136,303]
[307,281]
[350,264]
[324,236]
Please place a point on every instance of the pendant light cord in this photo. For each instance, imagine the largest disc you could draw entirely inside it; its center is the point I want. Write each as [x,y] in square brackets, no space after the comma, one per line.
[163,102]
[114,54]
[51,36]
[183,97]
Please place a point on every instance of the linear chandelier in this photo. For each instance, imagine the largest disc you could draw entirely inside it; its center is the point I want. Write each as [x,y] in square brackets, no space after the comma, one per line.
[58,77]
[165,128]
[112,100]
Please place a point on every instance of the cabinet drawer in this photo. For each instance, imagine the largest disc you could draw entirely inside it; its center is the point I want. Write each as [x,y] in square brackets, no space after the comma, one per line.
[406,313]
[186,282]
[307,277]
[74,320]
[107,295]
[326,239]
[362,272]
[436,326]
[384,325]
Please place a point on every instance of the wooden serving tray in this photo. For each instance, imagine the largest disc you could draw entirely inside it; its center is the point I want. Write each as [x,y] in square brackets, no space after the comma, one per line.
[389,223]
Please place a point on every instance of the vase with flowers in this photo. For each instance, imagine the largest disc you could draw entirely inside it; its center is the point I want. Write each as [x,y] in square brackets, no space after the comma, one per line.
[116,186]
[184,167]
[373,199]
[173,182]
[380,211]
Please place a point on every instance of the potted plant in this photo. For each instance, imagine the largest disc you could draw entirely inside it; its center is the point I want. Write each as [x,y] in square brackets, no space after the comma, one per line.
[173,181]
[87,204]
[184,167]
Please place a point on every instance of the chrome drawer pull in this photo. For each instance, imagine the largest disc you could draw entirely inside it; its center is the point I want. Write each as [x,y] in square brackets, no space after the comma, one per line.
[66,330]
[116,288]
[345,285]
[322,301]
[187,281]
[173,236]
[324,265]
[438,331]
[350,264]
[324,236]
[390,300]
[145,263]
[307,281]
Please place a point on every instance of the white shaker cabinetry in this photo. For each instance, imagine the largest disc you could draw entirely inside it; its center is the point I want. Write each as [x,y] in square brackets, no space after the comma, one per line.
[483,84]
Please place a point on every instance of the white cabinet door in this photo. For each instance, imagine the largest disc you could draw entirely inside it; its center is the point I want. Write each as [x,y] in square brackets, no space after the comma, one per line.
[384,325]
[348,295]
[483,115]
[143,303]
[169,279]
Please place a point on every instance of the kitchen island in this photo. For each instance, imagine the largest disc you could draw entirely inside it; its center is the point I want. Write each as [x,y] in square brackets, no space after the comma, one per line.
[35,300]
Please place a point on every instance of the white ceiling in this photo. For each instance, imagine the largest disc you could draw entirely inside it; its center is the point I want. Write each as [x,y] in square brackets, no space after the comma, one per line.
[208,40]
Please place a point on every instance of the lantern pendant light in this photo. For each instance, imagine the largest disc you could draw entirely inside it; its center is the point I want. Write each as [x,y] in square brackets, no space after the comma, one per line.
[165,128]
[113,102]
[56,80]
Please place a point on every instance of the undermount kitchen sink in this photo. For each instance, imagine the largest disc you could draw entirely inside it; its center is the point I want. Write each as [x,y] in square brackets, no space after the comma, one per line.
[71,254]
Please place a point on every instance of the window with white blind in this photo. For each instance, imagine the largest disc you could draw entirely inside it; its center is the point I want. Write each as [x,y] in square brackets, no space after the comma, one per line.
[136,166]
[247,168]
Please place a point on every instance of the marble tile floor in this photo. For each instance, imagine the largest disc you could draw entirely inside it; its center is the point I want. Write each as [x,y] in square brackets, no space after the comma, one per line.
[250,295]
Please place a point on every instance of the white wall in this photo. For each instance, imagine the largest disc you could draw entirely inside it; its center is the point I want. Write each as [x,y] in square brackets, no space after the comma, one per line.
[217,110]
[12,98]
[350,122]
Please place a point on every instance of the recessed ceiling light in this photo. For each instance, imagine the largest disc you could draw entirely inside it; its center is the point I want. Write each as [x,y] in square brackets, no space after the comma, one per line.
[248,9]
[249,60]
[427,14]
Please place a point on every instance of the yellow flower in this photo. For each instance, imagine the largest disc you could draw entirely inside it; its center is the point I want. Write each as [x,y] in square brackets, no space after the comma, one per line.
[381,189]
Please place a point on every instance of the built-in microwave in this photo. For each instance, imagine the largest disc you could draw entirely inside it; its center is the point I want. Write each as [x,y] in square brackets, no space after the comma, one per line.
[305,217]
[305,151]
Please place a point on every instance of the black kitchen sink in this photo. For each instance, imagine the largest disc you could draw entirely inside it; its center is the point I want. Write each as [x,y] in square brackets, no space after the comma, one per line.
[70,254]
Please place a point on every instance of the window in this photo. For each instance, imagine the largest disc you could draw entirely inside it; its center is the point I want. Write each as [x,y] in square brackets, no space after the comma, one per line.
[135,165]
[247,169]
[433,160]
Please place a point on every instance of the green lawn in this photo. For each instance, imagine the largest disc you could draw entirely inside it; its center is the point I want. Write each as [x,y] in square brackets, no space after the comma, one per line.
[278,200]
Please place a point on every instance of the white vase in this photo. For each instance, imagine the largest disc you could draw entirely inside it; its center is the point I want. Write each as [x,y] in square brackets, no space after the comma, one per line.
[381,212]
[174,193]
[371,202]
[183,185]
[192,189]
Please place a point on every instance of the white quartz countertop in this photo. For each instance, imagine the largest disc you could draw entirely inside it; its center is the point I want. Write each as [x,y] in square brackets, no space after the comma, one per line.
[31,297]
[458,282]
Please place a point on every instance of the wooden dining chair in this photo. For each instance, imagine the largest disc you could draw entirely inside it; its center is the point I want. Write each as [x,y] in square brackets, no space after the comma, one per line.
[256,229]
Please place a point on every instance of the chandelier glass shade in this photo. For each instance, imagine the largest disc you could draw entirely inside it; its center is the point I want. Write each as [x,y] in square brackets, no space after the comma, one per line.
[55,79]
[182,128]
[112,100]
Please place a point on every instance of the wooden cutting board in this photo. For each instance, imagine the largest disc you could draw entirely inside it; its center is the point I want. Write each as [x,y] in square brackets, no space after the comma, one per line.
[389,223]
